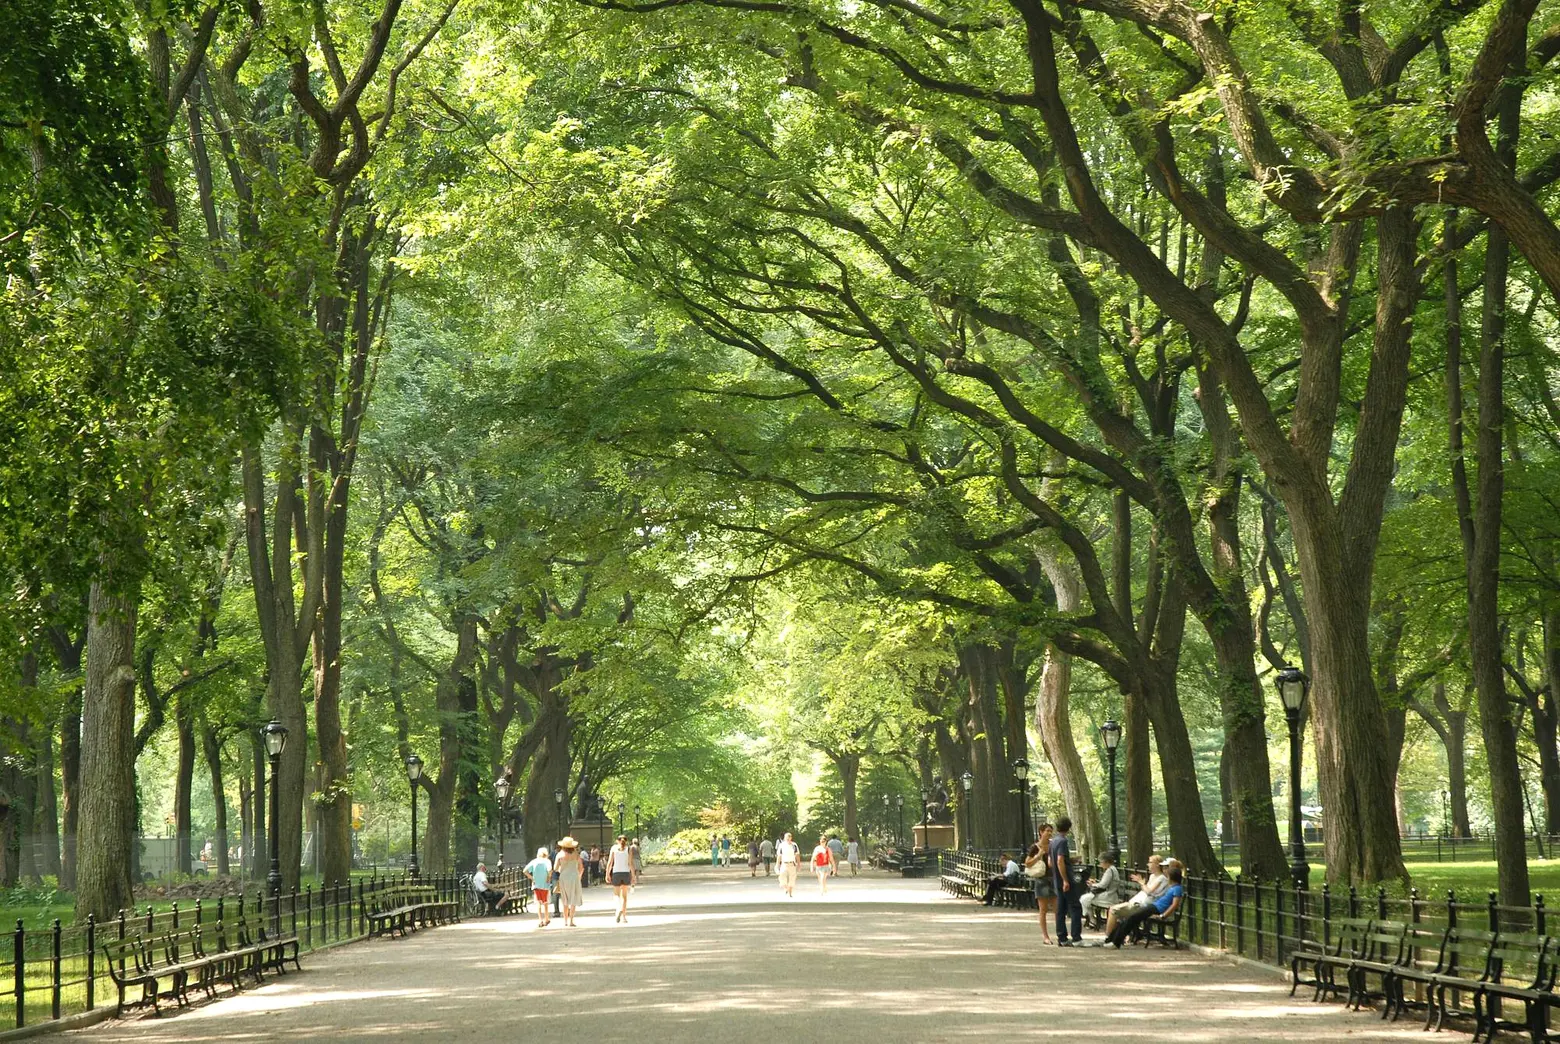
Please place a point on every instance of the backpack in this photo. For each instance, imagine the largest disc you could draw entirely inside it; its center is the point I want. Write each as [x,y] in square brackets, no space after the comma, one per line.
[822,858]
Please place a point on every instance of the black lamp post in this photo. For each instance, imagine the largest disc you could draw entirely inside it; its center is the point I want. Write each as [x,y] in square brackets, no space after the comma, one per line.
[501,788]
[926,799]
[885,814]
[1021,773]
[558,801]
[275,734]
[967,782]
[1293,687]
[636,822]
[620,817]
[1110,735]
[413,774]
[899,803]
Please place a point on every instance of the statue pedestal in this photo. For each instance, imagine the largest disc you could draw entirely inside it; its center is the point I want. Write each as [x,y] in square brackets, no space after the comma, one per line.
[933,835]
[593,832]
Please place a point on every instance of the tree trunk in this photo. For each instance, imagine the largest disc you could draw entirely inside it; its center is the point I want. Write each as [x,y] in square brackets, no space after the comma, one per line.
[849,766]
[260,851]
[184,782]
[991,809]
[213,751]
[70,783]
[1178,773]
[46,813]
[103,885]
[1546,725]
[549,772]
[1053,717]
[333,802]
[1138,779]
[1479,517]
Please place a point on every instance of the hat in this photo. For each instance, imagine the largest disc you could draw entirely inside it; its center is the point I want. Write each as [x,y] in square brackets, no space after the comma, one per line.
[569,843]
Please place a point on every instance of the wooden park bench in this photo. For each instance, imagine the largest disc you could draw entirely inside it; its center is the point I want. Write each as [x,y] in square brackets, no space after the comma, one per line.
[1324,962]
[161,968]
[405,908]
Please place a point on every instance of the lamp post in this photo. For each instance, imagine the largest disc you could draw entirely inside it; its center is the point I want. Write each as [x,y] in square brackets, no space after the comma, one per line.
[1110,735]
[1293,686]
[620,817]
[967,782]
[275,734]
[1021,773]
[558,801]
[899,803]
[885,814]
[501,788]
[636,822]
[413,774]
[926,799]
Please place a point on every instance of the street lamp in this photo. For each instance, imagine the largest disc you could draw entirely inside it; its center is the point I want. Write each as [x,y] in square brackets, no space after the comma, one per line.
[1021,773]
[1293,686]
[558,801]
[636,821]
[1110,735]
[926,799]
[885,813]
[501,788]
[899,803]
[620,817]
[275,734]
[967,781]
[413,774]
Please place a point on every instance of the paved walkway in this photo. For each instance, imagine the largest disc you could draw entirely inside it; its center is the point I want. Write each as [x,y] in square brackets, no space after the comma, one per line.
[713,955]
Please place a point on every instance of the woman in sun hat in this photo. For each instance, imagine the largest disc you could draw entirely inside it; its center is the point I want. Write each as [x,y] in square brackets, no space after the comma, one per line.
[569,866]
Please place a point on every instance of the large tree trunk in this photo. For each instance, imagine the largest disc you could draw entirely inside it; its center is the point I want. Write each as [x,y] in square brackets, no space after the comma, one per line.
[1546,725]
[1479,517]
[333,802]
[1178,773]
[213,751]
[183,782]
[258,857]
[1053,717]
[549,772]
[103,885]
[1138,778]
[850,772]
[991,809]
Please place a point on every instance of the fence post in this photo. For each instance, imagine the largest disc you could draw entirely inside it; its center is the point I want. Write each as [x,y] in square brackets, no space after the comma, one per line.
[174,909]
[308,917]
[151,924]
[1326,915]
[19,972]
[54,972]
[1494,913]
[1381,902]
[1278,920]
[1538,914]
[1240,920]
[361,927]
[91,959]
[293,903]
[1354,901]
[1256,913]
[1451,908]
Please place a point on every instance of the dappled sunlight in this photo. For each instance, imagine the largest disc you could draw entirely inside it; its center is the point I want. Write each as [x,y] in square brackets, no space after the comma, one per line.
[696,957]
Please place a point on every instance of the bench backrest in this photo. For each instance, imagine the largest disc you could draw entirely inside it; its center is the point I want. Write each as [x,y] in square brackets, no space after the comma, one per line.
[1524,959]
[1466,952]
[129,951]
[1351,936]
[1383,942]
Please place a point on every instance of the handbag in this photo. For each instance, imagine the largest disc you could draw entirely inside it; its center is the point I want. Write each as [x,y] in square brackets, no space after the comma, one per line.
[1036,870]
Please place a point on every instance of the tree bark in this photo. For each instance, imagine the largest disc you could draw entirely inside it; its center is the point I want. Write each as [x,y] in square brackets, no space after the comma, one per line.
[212,748]
[183,781]
[849,766]
[103,885]
[46,812]
[67,651]
[259,857]
[991,809]
[1053,716]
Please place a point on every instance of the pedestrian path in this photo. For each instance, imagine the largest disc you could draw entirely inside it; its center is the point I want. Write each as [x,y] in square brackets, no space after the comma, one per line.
[715,955]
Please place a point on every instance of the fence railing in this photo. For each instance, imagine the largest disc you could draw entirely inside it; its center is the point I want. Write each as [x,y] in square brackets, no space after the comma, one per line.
[56,971]
[1266,921]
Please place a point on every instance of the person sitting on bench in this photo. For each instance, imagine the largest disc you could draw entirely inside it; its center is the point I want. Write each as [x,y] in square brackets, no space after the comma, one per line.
[1011,875]
[490,896]
[1163,905]
[1104,892]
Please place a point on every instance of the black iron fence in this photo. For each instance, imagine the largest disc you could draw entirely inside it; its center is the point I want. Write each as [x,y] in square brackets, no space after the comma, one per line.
[56,971]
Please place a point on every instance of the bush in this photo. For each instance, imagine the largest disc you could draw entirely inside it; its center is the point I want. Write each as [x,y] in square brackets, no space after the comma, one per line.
[683,847]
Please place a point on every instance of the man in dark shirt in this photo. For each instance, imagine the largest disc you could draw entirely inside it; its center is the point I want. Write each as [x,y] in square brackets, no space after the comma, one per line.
[1061,879]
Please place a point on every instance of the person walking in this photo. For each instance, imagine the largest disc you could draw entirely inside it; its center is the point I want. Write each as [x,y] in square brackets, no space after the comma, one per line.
[725,850]
[836,855]
[787,857]
[1068,908]
[853,856]
[714,850]
[1037,867]
[766,852]
[637,858]
[570,870]
[823,865]
[753,858]
[540,872]
[620,872]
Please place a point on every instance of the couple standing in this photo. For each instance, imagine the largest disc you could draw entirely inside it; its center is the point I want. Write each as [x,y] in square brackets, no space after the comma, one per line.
[1054,852]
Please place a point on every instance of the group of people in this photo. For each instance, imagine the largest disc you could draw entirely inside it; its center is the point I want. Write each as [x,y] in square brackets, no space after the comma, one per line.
[565,870]
[1066,894]
[828,857]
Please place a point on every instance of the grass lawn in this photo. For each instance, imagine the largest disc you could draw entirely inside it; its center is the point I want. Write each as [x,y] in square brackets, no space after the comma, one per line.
[1472,880]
